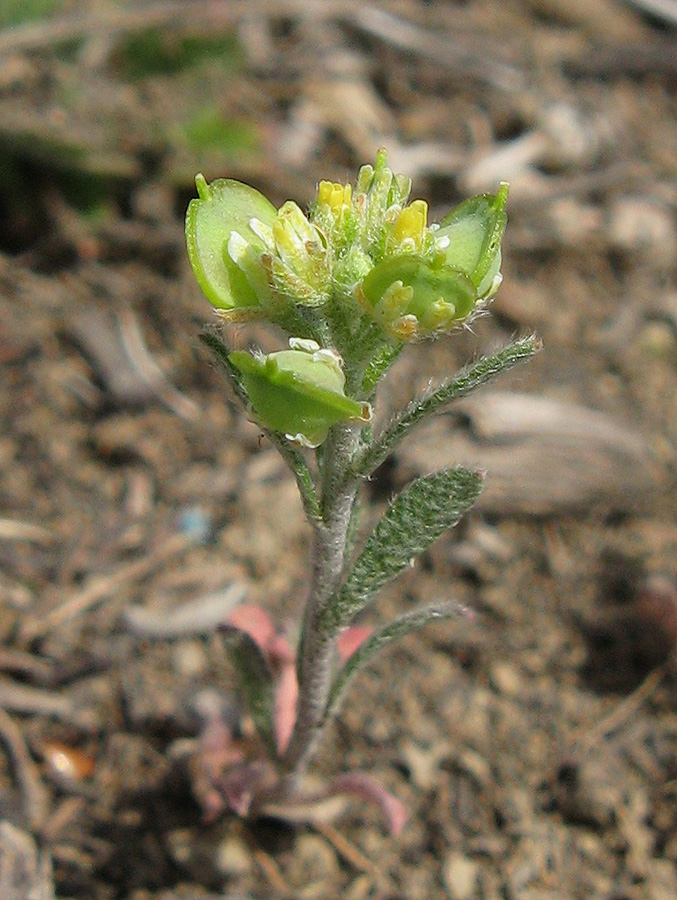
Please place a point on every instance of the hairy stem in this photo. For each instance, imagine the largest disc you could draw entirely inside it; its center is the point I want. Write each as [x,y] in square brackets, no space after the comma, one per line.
[316,646]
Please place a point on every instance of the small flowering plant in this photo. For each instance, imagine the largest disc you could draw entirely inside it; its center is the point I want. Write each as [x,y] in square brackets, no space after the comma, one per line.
[350,283]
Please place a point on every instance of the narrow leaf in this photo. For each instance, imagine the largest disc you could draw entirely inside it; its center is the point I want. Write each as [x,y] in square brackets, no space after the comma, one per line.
[379,365]
[424,509]
[297,464]
[220,351]
[395,630]
[472,376]
[350,639]
[286,698]
[362,785]
[255,680]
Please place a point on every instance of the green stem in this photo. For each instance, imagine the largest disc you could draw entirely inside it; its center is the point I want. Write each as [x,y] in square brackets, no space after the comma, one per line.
[299,467]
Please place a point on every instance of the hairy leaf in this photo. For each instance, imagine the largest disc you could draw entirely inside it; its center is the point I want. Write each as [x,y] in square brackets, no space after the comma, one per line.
[473,376]
[379,364]
[424,509]
[395,630]
[364,786]
[220,350]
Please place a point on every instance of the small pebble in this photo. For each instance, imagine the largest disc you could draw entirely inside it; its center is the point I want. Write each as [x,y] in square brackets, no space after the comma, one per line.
[657,339]
[645,225]
[196,523]
[424,762]
[506,679]
[190,659]
[460,875]
[180,844]
[314,867]
[233,857]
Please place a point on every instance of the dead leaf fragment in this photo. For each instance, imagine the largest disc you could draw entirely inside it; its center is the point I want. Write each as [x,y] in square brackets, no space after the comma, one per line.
[542,456]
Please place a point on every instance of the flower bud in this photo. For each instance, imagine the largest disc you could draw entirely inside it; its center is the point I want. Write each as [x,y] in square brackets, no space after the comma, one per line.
[408,231]
[469,239]
[335,196]
[223,249]
[299,265]
[299,392]
[371,181]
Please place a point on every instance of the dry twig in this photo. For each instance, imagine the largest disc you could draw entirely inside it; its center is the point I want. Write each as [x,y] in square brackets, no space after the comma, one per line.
[620,714]
[26,773]
[101,586]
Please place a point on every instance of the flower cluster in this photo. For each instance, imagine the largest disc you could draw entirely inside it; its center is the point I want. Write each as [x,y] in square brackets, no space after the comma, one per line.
[362,271]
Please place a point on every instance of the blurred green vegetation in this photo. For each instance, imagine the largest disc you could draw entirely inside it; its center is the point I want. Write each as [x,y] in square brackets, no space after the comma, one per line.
[208,130]
[16,12]
[156,105]
[158,52]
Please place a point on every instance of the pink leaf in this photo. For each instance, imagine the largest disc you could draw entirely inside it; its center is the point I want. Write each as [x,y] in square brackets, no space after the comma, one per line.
[286,695]
[351,639]
[362,785]
[279,649]
[215,754]
[255,622]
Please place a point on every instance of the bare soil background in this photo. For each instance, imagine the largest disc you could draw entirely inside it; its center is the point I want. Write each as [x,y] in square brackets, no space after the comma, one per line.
[536,744]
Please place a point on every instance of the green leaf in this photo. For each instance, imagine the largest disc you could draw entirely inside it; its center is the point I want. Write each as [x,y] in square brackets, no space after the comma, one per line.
[390,633]
[255,680]
[220,351]
[424,509]
[379,364]
[473,376]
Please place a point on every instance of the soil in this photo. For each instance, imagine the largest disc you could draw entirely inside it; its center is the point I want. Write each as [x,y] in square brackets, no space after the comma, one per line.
[533,742]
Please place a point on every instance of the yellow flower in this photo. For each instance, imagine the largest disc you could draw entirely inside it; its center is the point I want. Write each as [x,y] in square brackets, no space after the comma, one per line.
[334,195]
[409,228]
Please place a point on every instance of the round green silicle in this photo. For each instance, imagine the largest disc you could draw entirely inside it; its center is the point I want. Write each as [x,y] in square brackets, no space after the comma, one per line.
[469,238]
[298,392]
[410,298]
[225,207]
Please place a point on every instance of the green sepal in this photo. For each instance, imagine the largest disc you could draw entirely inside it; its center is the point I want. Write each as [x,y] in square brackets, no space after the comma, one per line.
[417,517]
[393,631]
[255,680]
[475,229]
[298,392]
[223,207]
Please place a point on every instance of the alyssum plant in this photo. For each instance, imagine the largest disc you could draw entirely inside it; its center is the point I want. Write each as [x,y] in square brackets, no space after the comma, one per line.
[350,284]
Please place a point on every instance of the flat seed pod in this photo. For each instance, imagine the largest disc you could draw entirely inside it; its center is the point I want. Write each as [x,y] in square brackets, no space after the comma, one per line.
[223,207]
[471,238]
[406,291]
[298,392]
